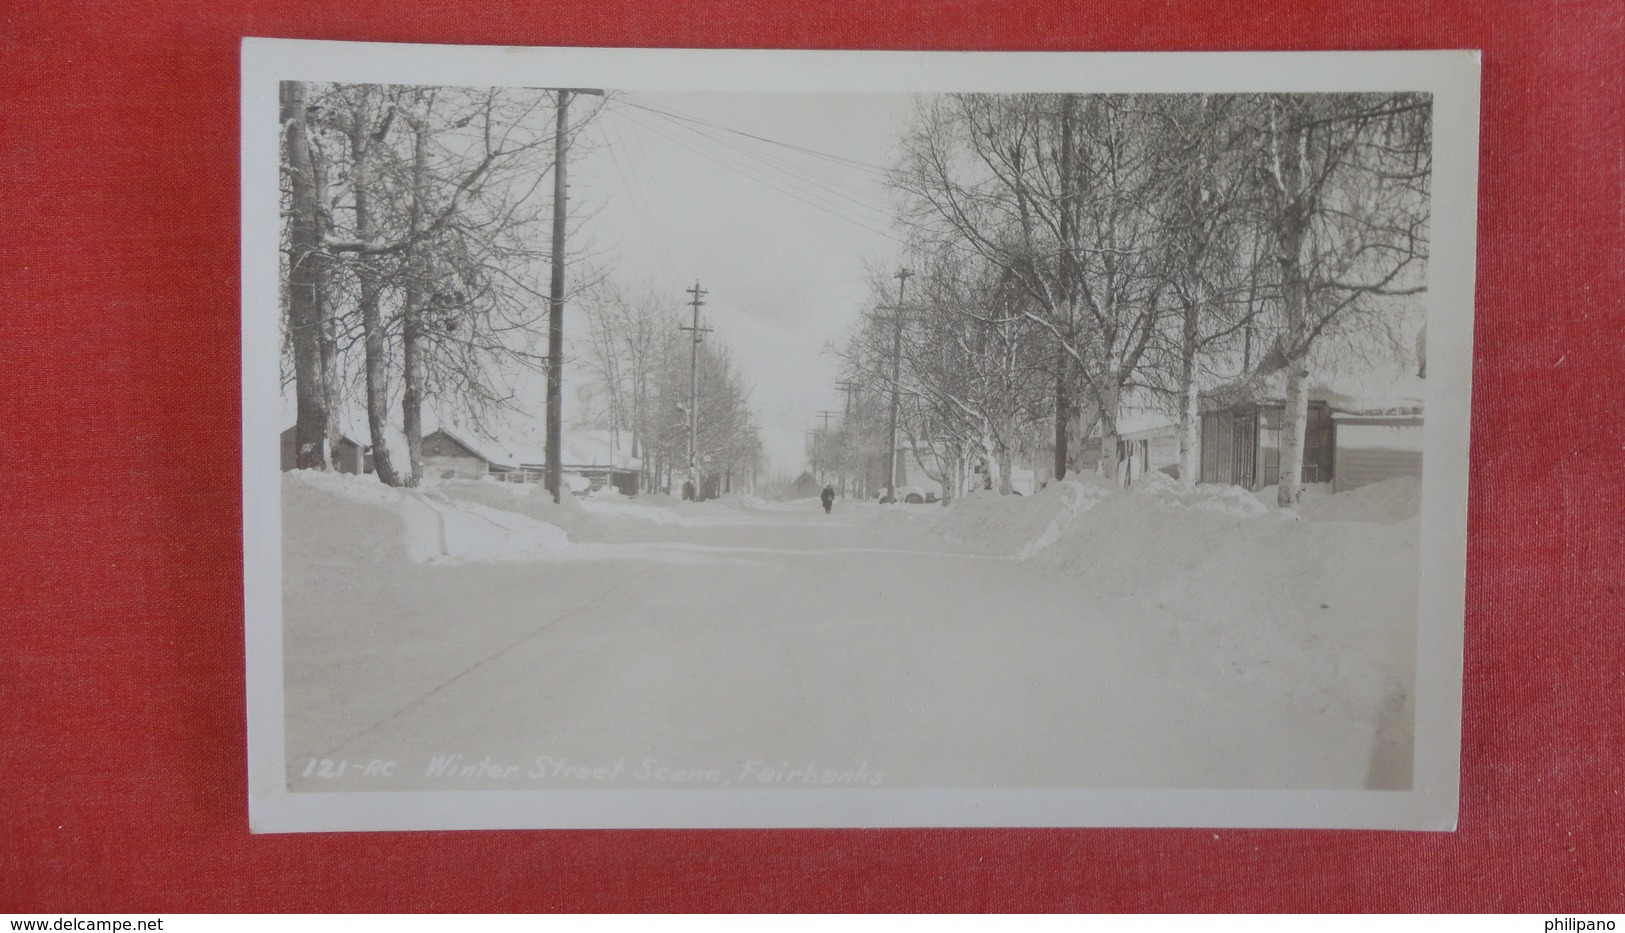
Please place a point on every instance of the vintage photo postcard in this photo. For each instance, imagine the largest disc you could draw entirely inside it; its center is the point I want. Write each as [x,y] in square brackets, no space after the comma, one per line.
[658,438]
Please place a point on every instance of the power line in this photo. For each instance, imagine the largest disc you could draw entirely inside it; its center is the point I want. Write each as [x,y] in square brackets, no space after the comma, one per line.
[861,196]
[640,201]
[640,103]
[734,163]
[833,185]
[832,210]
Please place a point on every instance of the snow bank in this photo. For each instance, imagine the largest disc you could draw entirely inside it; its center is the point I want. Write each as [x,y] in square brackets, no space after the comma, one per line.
[744,500]
[351,487]
[419,525]
[473,532]
[1388,502]
[1323,608]
[600,517]
[1227,500]
[1018,525]
[626,508]
[531,500]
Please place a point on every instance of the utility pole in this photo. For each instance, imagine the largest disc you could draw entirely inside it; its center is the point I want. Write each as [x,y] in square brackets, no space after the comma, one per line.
[896,375]
[824,438]
[555,310]
[699,333]
[847,387]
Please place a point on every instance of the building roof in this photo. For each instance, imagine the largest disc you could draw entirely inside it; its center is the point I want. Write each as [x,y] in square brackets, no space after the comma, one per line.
[1133,422]
[588,447]
[1139,415]
[1365,394]
[581,449]
[343,436]
[481,447]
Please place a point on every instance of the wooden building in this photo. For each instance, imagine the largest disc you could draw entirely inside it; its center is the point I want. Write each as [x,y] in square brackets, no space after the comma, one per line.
[1147,442]
[1376,445]
[599,457]
[348,456]
[1241,444]
[591,461]
[448,456]
[806,487]
[597,475]
[1346,448]
[1147,445]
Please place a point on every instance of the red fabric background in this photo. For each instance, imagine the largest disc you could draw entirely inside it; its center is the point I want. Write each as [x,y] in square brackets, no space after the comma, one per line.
[122,782]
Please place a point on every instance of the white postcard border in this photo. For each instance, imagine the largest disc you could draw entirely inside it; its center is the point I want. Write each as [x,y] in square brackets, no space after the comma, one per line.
[1453,79]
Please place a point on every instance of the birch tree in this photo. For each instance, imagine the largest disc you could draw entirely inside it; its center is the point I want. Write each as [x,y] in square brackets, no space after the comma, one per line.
[1210,252]
[306,281]
[1343,182]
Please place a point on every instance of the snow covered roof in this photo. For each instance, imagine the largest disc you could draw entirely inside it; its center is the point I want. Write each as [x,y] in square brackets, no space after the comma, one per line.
[581,447]
[1363,394]
[1139,413]
[1143,421]
[494,452]
[600,448]
[347,430]
[343,436]
[1406,395]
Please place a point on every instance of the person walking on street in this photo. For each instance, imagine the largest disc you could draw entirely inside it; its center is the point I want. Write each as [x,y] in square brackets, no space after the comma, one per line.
[828,496]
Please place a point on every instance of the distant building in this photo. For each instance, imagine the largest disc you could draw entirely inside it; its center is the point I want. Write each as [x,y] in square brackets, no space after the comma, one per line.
[348,456]
[1351,438]
[1241,444]
[1375,445]
[806,486]
[591,457]
[450,456]
[596,455]
[1147,442]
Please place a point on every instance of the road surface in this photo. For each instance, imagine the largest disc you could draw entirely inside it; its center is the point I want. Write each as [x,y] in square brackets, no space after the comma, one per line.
[772,648]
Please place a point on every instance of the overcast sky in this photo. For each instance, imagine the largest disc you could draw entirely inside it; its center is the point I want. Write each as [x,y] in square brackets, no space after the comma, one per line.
[778,237]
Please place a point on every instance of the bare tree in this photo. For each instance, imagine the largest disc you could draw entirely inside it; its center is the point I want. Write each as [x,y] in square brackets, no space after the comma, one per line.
[1210,253]
[306,282]
[627,334]
[727,440]
[1343,182]
[426,229]
[1051,190]
[968,367]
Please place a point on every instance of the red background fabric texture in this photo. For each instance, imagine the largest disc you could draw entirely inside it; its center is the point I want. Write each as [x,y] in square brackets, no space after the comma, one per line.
[122,775]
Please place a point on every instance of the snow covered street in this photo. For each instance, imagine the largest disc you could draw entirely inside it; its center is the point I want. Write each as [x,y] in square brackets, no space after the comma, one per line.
[472,636]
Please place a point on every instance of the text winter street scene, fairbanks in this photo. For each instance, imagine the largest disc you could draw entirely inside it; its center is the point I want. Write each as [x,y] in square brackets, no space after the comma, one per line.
[643,439]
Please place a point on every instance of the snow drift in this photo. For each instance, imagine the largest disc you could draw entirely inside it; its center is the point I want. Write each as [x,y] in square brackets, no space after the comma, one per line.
[419,525]
[1323,603]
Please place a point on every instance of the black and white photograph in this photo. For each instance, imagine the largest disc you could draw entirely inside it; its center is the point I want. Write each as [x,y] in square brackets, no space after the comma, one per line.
[664,438]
